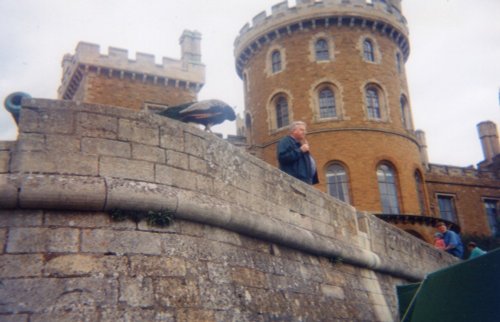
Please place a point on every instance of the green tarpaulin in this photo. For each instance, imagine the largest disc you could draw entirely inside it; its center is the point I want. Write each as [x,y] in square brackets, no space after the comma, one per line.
[464,292]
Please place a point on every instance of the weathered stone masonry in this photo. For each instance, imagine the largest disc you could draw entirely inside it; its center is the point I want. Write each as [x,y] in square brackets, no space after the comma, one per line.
[249,243]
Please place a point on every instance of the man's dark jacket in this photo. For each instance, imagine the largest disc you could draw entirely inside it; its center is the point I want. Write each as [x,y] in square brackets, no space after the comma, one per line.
[295,162]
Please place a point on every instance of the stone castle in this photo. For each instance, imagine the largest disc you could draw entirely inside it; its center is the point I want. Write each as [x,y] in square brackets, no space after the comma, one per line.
[248,242]
[339,66]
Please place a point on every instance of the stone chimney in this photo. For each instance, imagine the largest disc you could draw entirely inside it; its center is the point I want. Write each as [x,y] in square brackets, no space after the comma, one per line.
[488,135]
[422,144]
[190,42]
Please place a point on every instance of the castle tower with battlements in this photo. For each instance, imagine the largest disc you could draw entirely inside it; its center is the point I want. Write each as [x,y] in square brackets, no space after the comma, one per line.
[337,65]
[114,79]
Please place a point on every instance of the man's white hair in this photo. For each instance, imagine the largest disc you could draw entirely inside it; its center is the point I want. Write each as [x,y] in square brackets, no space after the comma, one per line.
[294,125]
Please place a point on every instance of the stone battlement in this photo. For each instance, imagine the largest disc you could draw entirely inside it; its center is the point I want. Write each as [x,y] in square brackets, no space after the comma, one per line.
[188,70]
[464,172]
[382,15]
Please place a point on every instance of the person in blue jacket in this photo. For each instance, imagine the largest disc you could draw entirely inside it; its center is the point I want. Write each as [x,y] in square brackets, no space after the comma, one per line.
[452,241]
[294,156]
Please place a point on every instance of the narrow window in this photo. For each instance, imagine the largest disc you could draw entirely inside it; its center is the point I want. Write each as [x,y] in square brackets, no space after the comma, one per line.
[276,61]
[321,48]
[420,192]
[398,62]
[338,182]
[491,207]
[387,188]
[404,112]
[372,103]
[368,50]
[447,208]
[327,103]
[281,112]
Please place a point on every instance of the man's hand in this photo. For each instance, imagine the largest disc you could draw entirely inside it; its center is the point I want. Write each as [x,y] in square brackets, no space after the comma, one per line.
[304,148]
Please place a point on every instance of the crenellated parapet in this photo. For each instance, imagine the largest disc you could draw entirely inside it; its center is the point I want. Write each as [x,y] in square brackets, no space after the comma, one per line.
[187,72]
[460,172]
[383,16]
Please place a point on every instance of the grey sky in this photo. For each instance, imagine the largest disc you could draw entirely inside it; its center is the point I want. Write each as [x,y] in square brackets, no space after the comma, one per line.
[453,70]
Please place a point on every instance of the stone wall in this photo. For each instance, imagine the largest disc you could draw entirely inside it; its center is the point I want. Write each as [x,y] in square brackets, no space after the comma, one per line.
[249,243]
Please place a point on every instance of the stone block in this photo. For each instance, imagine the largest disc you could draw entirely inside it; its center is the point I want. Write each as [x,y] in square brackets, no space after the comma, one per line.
[20,218]
[148,153]
[120,242]
[84,265]
[30,142]
[126,194]
[81,219]
[126,169]
[137,292]
[62,143]
[195,145]
[47,120]
[157,266]
[175,177]
[66,192]
[3,239]
[49,162]
[249,277]
[195,315]
[16,266]
[98,146]
[96,125]
[175,292]
[217,296]
[4,161]
[16,318]
[333,292]
[138,314]
[172,136]
[8,191]
[136,131]
[177,159]
[36,240]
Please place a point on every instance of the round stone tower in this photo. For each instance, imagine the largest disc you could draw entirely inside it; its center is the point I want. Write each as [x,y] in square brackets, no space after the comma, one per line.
[338,65]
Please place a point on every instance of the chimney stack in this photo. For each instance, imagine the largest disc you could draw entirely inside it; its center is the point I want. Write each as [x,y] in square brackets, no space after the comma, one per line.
[488,135]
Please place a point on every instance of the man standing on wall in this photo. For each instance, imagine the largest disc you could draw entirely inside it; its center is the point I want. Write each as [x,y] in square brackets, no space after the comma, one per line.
[294,157]
[452,241]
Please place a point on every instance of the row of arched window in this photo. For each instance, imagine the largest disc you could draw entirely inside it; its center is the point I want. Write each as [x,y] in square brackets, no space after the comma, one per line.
[327,105]
[323,51]
[337,180]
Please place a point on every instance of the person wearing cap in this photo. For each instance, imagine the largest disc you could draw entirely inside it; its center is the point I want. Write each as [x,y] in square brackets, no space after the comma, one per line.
[452,241]
[439,241]
[474,250]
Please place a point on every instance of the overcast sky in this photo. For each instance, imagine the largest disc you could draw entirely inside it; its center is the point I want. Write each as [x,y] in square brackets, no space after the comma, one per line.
[453,70]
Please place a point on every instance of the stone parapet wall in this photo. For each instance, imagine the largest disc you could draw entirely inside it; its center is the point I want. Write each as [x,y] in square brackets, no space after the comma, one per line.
[74,161]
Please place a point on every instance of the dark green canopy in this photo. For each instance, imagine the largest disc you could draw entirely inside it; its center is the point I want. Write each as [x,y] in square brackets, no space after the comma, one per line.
[465,292]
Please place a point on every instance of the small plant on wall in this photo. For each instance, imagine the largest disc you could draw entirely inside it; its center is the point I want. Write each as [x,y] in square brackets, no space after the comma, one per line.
[160,218]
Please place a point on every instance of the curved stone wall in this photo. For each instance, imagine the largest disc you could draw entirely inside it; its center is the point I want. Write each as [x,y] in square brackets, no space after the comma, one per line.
[249,243]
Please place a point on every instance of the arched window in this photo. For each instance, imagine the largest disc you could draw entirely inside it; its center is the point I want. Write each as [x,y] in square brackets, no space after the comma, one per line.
[368,53]
[373,103]
[405,115]
[321,49]
[281,112]
[398,62]
[338,182]
[326,99]
[276,61]
[387,188]
[420,192]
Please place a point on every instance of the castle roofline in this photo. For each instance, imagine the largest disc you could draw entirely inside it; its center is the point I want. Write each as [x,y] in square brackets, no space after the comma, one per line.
[171,71]
[379,15]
